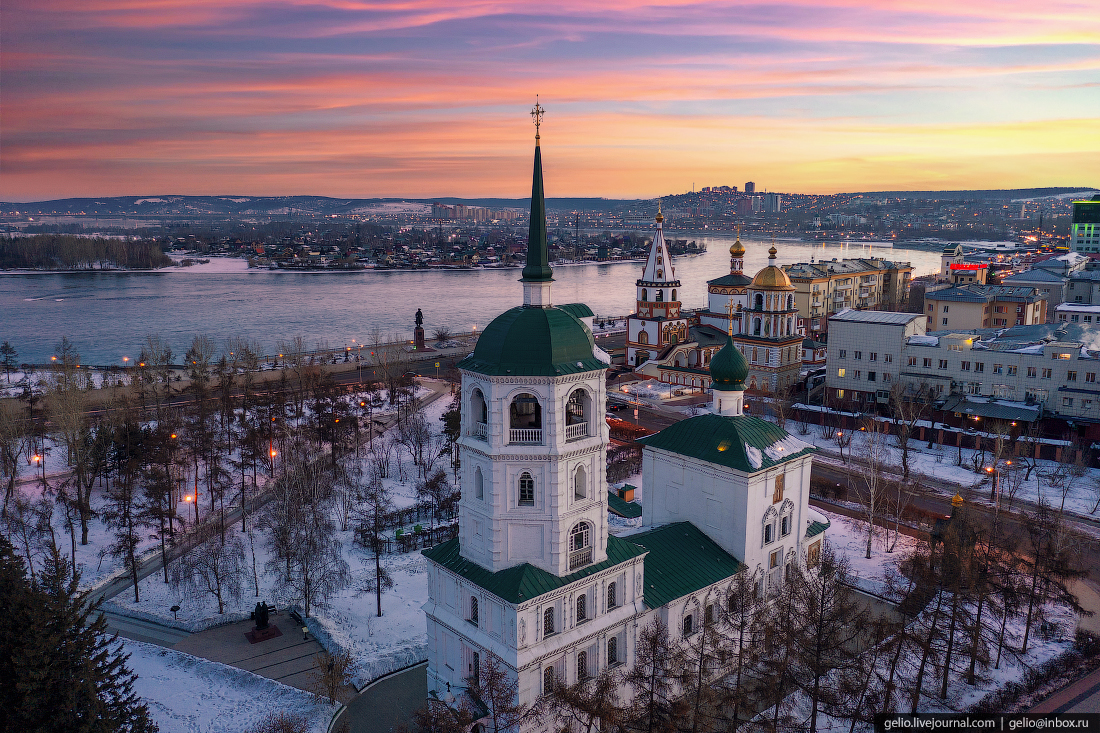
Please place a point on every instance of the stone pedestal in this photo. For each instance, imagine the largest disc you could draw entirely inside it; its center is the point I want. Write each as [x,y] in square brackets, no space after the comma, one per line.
[257,635]
[418,335]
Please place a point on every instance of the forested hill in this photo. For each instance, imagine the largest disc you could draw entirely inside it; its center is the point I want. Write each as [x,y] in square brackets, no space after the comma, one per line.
[62,252]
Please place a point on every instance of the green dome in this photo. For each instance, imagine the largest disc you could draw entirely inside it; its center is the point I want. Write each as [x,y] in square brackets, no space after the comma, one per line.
[728,368]
[544,342]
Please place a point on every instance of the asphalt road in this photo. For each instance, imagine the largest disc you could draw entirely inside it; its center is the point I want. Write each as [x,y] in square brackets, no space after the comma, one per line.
[387,704]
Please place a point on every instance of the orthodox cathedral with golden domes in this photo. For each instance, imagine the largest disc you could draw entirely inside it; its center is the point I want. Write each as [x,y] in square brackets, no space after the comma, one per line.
[759,313]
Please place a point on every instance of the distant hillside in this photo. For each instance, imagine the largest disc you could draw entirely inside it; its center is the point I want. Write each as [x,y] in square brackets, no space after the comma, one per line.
[991,194]
[264,206]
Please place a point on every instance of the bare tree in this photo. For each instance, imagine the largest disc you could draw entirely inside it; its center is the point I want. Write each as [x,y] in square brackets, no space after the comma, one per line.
[909,408]
[589,705]
[15,441]
[438,717]
[498,692]
[331,675]
[652,682]
[374,512]
[874,455]
[216,566]
[29,526]
[826,640]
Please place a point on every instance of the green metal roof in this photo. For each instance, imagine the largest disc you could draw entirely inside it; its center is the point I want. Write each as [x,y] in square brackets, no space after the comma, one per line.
[537,268]
[816,528]
[524,582]
[728,368]
[722,440]
[731,280]
[622,507]
[533,342]
[681,560]
[577,310]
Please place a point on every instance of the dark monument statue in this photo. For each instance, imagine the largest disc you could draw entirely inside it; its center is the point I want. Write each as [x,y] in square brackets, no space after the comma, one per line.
[264,629]
[261,616]
[418,333]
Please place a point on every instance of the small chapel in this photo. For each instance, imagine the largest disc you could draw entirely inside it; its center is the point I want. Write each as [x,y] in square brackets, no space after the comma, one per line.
[759,312]
[535,575]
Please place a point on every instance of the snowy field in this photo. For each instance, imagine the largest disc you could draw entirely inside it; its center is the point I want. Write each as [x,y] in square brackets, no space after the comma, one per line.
[186,694]
[848,538]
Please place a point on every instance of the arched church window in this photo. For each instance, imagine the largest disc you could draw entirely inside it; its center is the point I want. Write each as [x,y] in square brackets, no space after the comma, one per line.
[475,667]
[660,276]
[478,407]
[688,624]
[643,337]
[612,651]
[674,294]
[790,302]
[645,294]
[526,413]
[580,545]
[582,665]
[756,327]
[612,598]
[548,680]
[473,610]
[526,489]
[759,302]
[660,293]
[576,409]
[580,488]
[790,326]
[548,623]
[582,607]
[479,484]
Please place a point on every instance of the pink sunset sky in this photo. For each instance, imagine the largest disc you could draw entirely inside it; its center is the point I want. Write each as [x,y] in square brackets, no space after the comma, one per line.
[421,98]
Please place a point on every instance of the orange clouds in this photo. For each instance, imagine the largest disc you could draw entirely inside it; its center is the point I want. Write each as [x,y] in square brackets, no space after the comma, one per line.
[426,98]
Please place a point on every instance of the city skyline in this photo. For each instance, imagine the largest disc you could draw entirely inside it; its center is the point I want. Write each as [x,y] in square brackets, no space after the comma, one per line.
[418,100]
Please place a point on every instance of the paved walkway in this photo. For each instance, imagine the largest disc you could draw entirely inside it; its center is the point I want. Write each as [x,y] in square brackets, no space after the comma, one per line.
[290,658]
[387,703]
[1082,696]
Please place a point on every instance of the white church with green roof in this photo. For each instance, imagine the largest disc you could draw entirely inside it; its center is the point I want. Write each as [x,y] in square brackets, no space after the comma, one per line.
[535,577]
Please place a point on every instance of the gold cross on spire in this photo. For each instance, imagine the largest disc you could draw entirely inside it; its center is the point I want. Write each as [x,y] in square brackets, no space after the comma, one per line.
[536,115]
[729,310]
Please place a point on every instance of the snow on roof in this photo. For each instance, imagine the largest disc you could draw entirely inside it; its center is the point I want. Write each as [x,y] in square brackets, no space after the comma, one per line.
[1077,308]
[788,446]
[601,355]
[1033,349]
[756,459]
[883,317]
[924,341]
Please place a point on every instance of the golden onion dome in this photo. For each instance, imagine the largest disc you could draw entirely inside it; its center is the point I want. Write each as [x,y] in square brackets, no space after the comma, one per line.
[772,277]
[737,249]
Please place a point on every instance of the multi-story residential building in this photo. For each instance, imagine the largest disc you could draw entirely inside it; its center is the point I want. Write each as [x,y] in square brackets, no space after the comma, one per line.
[827,287]
[1046,370]
[1051,285]
[983,306]
[865,353]
[1085,231]
[1086,315]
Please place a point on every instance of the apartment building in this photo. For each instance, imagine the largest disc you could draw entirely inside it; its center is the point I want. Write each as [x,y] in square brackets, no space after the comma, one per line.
[865,353]
[830,286]
[1086,315]
[1047,366]
[966,307]
[1085,230]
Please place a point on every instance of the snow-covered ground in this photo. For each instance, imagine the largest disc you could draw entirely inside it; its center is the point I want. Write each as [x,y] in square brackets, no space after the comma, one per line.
[941,461]
[377,645]
[848,538]
[186,694]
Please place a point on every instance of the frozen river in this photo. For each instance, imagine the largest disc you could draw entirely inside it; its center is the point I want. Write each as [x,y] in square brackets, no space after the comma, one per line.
[109,314]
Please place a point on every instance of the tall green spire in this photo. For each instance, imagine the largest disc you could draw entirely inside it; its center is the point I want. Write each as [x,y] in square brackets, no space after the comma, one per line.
[537,268]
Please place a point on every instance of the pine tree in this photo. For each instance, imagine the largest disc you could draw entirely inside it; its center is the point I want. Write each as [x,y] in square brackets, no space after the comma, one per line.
[59,671]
